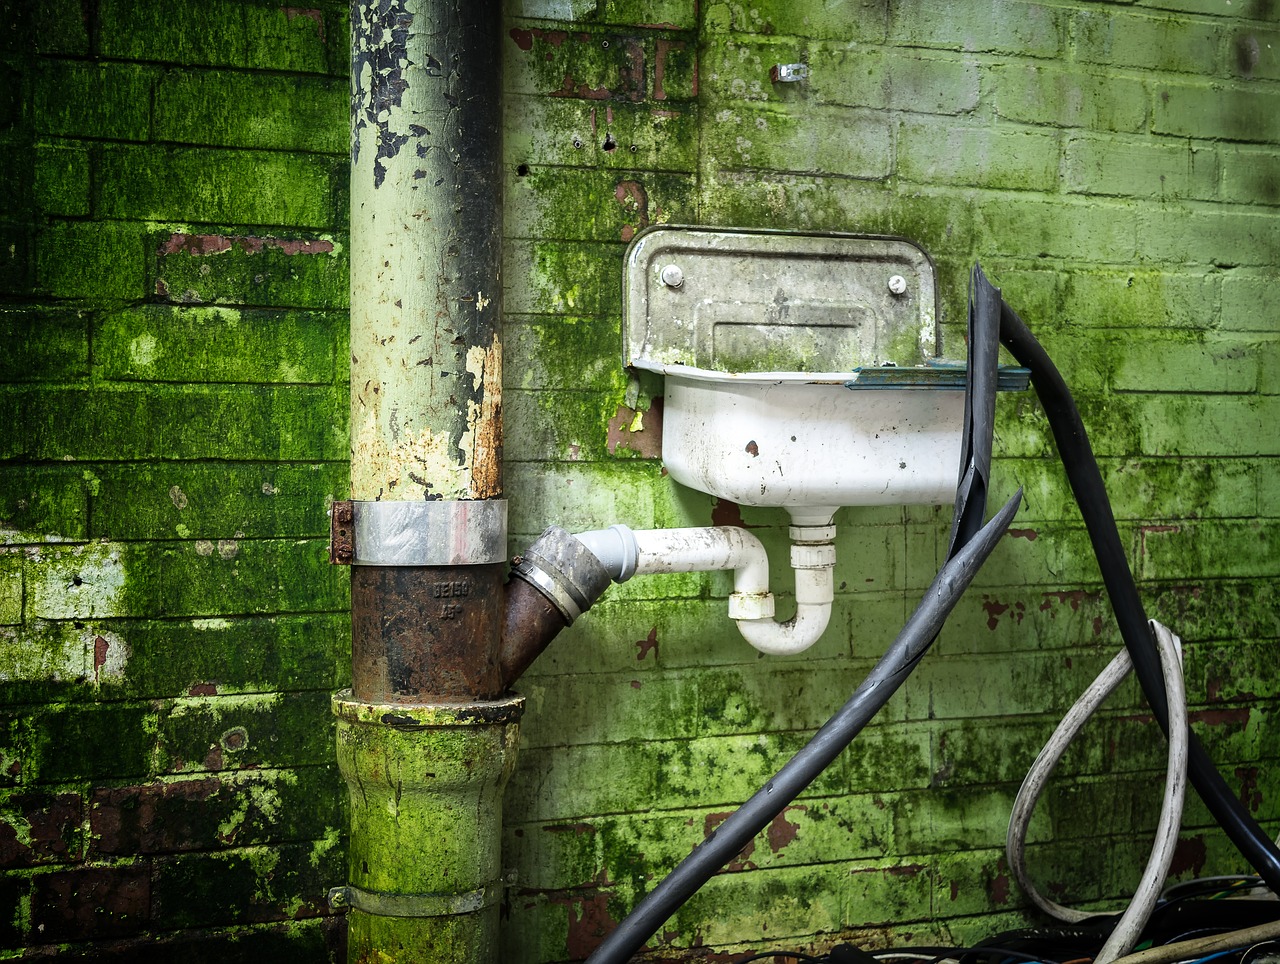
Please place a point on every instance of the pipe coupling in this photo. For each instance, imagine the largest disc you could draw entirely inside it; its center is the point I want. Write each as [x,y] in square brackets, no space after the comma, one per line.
[565,571]
[751,605]
[812,535]
[804,556]
[456,533]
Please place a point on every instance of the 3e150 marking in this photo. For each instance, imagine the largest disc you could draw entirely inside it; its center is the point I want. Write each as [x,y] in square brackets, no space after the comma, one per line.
[455,587]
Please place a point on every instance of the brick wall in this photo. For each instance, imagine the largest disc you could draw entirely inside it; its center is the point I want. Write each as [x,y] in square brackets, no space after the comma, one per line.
[172,295]
[174,403]
[1113,167]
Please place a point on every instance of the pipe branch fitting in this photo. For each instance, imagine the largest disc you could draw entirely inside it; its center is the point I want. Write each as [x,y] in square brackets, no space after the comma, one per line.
[570,572]
[624,552]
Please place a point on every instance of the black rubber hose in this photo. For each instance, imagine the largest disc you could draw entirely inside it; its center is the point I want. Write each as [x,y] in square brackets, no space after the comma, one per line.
[1090,494]
[982,370]
[727,840]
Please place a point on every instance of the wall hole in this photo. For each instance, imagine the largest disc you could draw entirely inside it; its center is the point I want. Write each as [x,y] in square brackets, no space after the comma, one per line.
[610,144]
[522,170]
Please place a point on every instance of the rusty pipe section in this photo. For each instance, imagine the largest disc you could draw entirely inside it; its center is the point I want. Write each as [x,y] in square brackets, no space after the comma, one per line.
[426,739]
[427,522]
[563,574]
[552,583]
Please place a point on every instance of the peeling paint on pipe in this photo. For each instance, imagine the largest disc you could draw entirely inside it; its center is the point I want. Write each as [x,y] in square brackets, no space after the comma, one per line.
[426,352]
[425,742]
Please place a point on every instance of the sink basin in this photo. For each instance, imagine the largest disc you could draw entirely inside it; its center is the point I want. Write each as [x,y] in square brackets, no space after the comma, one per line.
[802,370]
[808,444]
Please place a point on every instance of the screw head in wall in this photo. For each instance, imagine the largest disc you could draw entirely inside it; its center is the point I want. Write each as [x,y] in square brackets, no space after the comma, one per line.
[672,276]
[898,285]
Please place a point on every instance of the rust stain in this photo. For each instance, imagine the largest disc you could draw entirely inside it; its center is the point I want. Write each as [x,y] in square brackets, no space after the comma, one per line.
[589,921]
[1000,889]
[523,38]
[781,831]
[726,513]
[635,200]
[100,648]
[635,684]
[650,642]
[203,689]
[906,870]
[645,441]
[1031,535]
[1072,597]
[1250,795]
[201,245]
[1239,717]
[663,47]
[994,611]
[1190,854]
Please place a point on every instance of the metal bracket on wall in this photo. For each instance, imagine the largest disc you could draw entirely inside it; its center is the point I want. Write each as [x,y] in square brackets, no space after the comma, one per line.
[342,546]
[788,73]
[452,533]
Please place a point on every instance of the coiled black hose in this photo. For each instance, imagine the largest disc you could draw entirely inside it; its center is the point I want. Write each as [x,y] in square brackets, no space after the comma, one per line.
[1086,485]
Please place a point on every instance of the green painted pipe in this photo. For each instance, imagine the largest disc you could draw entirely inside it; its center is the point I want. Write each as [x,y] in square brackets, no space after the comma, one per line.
[429,745]
[425,784]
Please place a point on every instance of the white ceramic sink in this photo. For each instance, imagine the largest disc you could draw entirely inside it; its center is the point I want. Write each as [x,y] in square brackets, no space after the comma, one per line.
[801,370]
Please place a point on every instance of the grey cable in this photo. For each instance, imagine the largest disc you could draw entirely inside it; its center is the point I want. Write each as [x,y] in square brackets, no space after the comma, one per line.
[1129,928]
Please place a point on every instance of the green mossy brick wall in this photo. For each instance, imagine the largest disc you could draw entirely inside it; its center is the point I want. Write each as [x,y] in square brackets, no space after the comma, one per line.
[173,286]
[1113,166]
[173,292]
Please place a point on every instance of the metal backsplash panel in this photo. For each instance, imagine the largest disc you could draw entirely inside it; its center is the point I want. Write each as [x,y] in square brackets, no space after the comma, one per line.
[763,301]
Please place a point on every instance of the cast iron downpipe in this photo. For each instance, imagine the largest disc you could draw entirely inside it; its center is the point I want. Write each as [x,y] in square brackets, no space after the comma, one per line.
[426,736]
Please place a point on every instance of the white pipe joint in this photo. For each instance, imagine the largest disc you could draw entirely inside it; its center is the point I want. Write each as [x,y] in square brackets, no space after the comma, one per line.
[813,559]
[625,552]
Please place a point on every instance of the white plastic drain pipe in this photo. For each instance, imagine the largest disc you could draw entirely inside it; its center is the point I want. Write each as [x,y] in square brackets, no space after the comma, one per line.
[625,552]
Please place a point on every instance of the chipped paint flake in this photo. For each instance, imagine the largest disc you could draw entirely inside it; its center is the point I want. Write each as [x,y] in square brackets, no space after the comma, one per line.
[81,583]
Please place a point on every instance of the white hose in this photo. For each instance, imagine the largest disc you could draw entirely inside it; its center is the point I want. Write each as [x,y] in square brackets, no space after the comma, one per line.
[1126,932]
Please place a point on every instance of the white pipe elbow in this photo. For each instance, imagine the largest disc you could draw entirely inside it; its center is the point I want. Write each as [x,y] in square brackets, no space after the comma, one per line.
[794,636]
[625,552]
[815,592]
